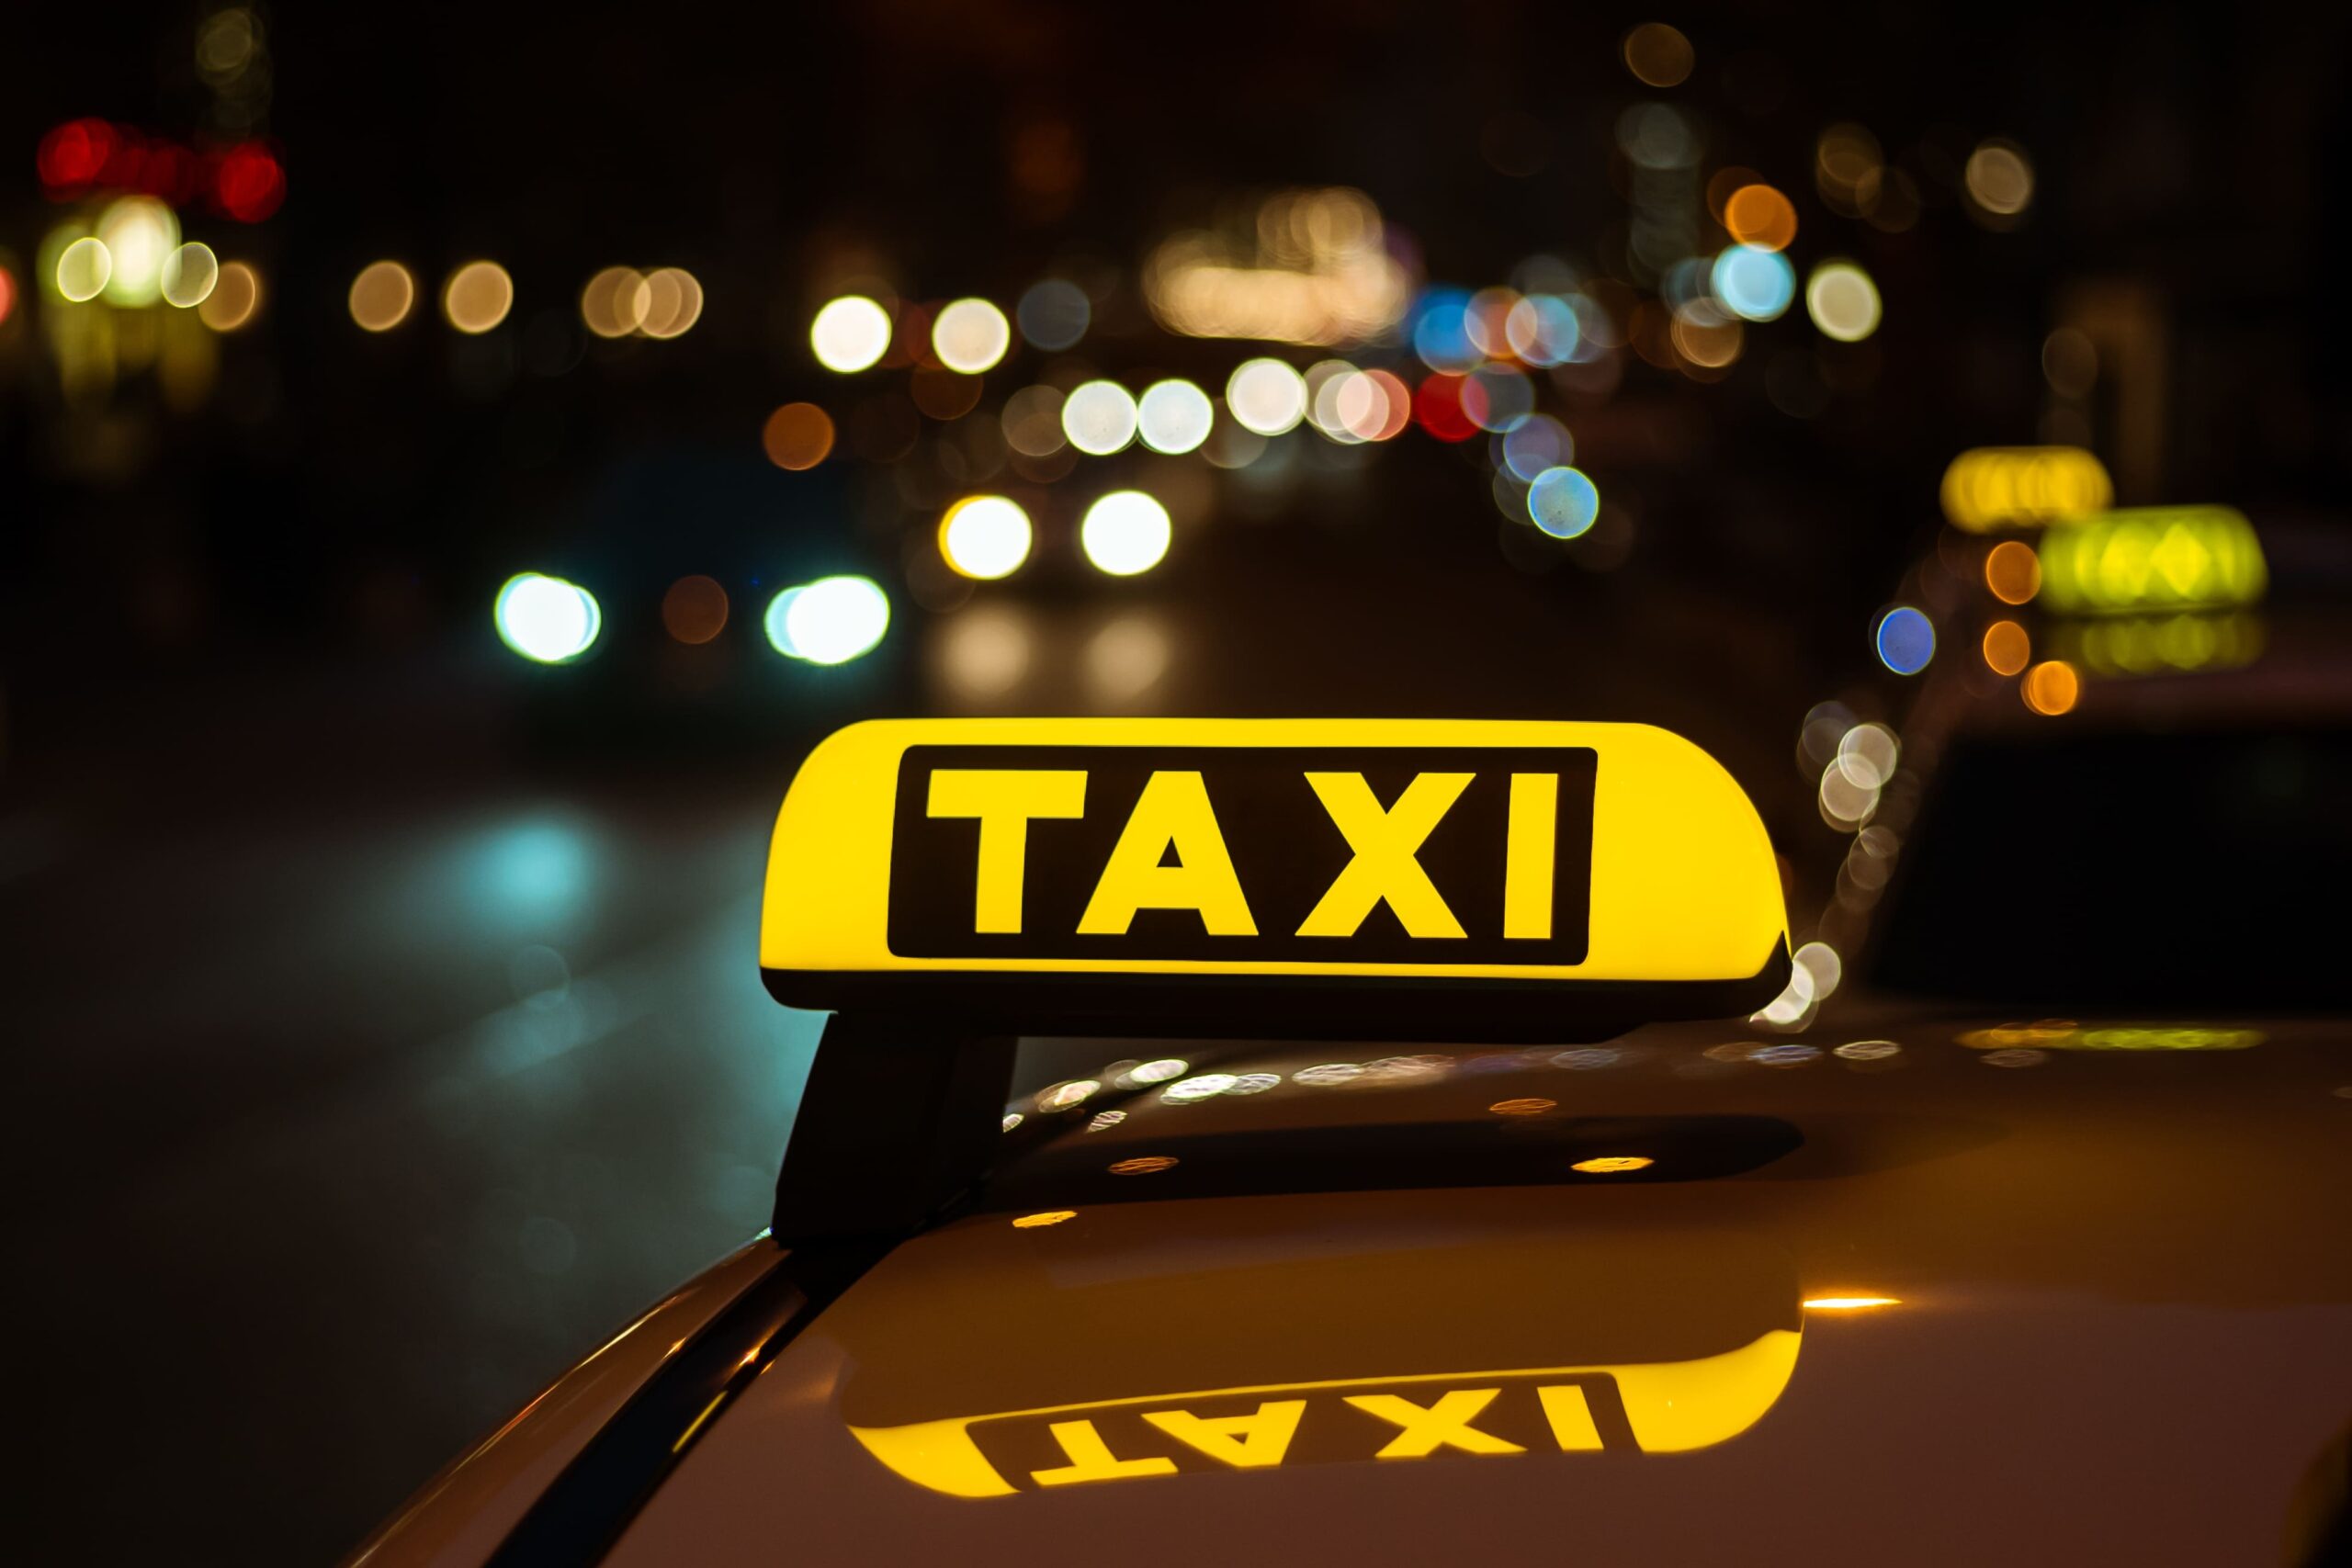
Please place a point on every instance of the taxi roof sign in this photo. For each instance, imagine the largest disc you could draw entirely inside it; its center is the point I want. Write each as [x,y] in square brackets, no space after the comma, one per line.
[1377,878]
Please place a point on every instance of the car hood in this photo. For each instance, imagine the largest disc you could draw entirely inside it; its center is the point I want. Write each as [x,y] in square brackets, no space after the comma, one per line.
[1938,1289]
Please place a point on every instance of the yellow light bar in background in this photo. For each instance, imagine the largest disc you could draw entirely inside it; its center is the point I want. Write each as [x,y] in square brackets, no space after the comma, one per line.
[2023,486]
[1352,852]
[2149,645]
[2154,557]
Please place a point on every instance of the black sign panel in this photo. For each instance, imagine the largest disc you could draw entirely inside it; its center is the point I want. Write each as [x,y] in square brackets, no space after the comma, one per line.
[1284,847]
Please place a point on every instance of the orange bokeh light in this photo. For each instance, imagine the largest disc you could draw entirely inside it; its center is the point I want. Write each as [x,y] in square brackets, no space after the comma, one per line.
[1761,216]
[2008,649]
[2012,572]
[2053,687]
[695,609]
[798,437]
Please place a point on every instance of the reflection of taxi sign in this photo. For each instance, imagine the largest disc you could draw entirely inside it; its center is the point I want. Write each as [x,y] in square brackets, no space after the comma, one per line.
[1045,869]
[2153,558]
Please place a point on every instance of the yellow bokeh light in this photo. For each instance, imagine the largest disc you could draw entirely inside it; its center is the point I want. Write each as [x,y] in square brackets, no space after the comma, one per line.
[1530,1105]
[1143,1165]
[1757,215]
[1996,487]
[1849,1303]
[667,301]
[382,296]
[1842,301]
[850,335]
[235,299]
[140,233]
[2153,558]
[82,268]
[1659,55]
[190,274]
[1612,1165]
[1047,1217]
[1999,179]
[2012,572]
[985,537]
[477,297]
[970,336]
[613,302]
[2008,649]
[2051,687]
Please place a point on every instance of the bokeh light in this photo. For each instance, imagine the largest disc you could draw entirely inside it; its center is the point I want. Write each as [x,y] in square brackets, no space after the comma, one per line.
[1753,282]
[1126,533]
[798,437]
[1612,1165]
[1174,416]
[1266,395]
[2153,558]
[1543,329]
[477,297]
[139,233]
[695,609]
[849,334]
[1658,54]
[1993,487]
[1761,216]
[2012,572]
[2051,687]
[1032,422]
[1374,405]
[613,303]
[2008,649]
[985,537]
[830,621]
[1054,314]
[1842,301]
[382,296]
[82,268]
[1538,443]
[970,336]
[545,619]
[1999,179]
[1098,418]
[668,301]
[1562,503]
[235,300]
[1904,640]
[190,274]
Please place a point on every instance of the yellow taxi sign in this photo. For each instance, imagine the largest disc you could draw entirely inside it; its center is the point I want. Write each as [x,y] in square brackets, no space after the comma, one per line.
[2019,487]
[1141,871]
[2153,559]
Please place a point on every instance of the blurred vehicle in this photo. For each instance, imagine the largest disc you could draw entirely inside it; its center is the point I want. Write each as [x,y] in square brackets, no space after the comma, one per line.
[1946,1282]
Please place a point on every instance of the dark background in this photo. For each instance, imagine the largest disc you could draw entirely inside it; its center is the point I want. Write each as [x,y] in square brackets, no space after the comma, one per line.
[383,1008]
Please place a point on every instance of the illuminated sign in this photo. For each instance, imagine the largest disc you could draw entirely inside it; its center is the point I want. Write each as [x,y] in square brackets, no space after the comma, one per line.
[2058,1035]
[2156,558]
[2147,645]
[1653,1407]
[1463,851]
[2010,487]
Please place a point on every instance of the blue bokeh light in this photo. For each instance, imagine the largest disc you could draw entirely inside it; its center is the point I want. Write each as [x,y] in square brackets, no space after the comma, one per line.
[1905,640]
[1441,330]
[1562,503]
[1754,282]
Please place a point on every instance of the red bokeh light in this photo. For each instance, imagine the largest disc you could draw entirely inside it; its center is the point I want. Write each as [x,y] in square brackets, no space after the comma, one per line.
[74,155]
[249,184]
[7,294]
[1437,407]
